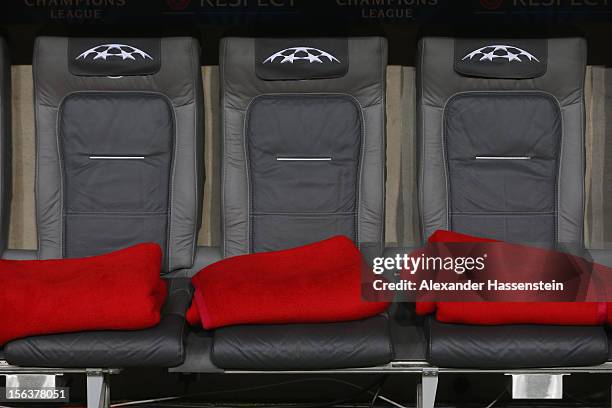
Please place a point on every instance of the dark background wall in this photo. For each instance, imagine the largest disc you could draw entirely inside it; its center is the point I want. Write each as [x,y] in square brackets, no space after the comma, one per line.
[401,21]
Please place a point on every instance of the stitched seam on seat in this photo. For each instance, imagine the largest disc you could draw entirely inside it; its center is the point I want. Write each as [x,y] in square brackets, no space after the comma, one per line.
[224,150]
[196,189]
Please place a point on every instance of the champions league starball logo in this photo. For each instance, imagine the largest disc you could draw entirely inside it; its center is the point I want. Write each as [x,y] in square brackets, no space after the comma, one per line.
[292,54]
[123,51]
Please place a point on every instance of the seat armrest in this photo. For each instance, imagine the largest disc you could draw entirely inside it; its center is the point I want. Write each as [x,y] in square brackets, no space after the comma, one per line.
[180,292]
[204,257]
[20,255]
[393,275]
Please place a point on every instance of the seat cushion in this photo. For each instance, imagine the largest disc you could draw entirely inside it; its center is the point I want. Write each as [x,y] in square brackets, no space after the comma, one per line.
[159,346]
[515,346]
[362,343]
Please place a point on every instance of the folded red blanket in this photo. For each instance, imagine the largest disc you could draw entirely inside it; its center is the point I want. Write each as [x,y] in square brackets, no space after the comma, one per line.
[496,313]
[316,283]
[120,290]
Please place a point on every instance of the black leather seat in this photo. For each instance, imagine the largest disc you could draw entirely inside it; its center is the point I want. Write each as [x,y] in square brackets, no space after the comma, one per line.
[159,346]
[130,173]
[515,346]
[501,133]
[303,160]
[363,343]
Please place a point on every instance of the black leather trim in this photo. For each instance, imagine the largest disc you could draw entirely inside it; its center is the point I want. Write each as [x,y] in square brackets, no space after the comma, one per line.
[363,343]
[159,346]
[407,333]
[530,61]
[5,143]
[609,336]
[122,57]
[270,64]
[515,346]
[198,357]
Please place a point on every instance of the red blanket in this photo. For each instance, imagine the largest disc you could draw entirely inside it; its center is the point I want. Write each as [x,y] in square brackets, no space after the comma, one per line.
[495,313]
[316,283]
[120,290]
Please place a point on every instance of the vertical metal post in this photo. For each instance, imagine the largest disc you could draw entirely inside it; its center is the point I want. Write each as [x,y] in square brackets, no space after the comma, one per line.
[426,390]
[98,390]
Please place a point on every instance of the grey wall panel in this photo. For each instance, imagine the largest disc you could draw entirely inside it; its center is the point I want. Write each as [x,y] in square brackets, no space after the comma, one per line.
[407,215]
[595,94]
[22,229]
[395,115]
[210,233]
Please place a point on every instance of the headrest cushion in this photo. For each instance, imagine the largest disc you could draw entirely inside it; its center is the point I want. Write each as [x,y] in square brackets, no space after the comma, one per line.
[501,58]
[114,56]
[301,58]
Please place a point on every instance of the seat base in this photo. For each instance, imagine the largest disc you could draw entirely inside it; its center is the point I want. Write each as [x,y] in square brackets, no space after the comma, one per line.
[159,346]
[363,343]
[515,346]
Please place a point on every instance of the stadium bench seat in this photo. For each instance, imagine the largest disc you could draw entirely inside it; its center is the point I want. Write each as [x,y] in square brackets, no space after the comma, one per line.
[501,126]
[303,127]
[118,162]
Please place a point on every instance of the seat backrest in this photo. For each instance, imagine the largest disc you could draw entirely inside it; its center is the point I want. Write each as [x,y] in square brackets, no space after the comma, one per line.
[5,143]
[501,137]
[119,145]
[303,141]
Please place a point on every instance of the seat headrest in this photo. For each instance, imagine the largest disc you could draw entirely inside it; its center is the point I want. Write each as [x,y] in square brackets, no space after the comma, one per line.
[114,57]
[501,58]
[301,58]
